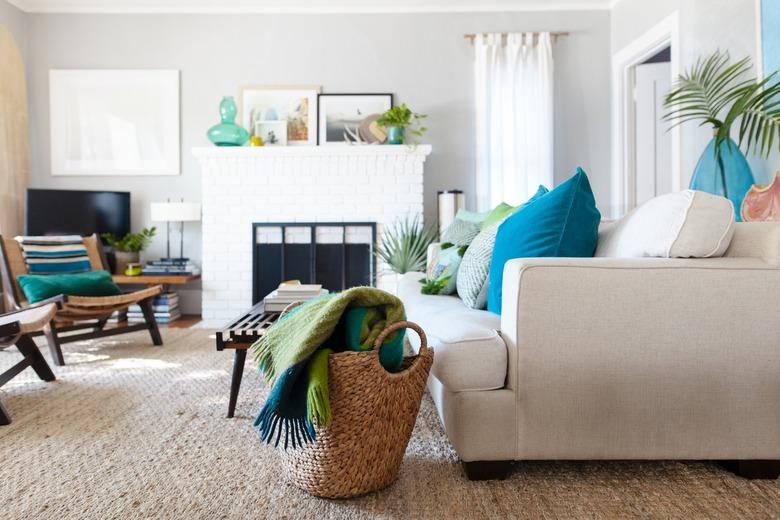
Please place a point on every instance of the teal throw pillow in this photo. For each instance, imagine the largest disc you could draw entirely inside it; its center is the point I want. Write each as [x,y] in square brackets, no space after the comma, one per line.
[441,276]
[38,287]
[562,223]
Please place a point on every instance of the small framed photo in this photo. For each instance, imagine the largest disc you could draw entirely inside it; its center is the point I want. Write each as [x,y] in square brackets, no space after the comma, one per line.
[297,105]
[273,133]
[340,115]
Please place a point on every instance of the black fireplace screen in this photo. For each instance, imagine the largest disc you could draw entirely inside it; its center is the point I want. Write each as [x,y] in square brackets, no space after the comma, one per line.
[338,255]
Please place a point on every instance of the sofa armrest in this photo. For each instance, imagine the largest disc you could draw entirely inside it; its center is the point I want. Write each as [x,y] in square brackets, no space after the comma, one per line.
[634,301]
[643,358]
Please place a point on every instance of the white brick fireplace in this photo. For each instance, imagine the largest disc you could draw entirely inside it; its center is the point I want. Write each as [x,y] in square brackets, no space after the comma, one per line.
[245,185]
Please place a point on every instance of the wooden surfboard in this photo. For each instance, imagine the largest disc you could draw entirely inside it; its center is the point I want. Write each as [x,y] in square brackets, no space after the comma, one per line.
[14,145]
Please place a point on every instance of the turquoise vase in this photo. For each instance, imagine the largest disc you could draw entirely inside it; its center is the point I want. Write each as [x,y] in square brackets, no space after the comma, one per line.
[227,133]
[395,135]
[724,172]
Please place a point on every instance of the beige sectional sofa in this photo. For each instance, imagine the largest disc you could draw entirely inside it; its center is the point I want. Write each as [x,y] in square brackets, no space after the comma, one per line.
[614,358]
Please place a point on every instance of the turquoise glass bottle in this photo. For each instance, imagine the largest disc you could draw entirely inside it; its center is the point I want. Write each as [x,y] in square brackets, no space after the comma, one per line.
[228,133]
[724,172]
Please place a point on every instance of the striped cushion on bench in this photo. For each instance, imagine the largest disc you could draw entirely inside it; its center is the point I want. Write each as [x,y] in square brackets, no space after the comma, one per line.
[55,255]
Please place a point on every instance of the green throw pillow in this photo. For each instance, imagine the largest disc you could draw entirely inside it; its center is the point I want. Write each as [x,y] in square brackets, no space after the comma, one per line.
[37,287]
[498,214]
[472,216]
[443,271]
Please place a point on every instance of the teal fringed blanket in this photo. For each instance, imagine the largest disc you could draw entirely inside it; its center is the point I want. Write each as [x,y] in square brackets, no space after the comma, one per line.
[293,355]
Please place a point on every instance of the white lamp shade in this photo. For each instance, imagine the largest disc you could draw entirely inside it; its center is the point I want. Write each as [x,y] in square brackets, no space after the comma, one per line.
[175,211]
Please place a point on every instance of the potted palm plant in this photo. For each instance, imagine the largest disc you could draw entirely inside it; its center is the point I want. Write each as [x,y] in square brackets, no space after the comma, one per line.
[128,248]
[719,93]
[404,246]
[397,119]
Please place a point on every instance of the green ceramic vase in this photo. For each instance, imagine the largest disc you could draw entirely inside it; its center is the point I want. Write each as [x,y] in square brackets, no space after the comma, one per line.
[227,132]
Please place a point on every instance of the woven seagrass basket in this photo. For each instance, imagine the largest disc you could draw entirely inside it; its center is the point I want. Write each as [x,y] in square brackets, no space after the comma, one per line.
[374,412]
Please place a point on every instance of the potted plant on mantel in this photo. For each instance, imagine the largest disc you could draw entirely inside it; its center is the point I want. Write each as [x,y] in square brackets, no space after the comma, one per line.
[397,119]
[128,248]
[719,93]
[404,247]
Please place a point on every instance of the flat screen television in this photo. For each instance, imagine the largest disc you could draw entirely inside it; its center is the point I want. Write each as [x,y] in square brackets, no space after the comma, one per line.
[73,212]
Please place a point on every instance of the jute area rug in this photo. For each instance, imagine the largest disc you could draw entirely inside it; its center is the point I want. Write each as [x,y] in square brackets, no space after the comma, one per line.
[134,431]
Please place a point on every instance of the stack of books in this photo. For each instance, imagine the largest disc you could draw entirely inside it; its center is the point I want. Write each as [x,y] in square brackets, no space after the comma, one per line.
[171,266]
[165,306]
[287,293]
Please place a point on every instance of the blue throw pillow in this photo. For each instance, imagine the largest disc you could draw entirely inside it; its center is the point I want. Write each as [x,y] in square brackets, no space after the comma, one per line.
[564,222]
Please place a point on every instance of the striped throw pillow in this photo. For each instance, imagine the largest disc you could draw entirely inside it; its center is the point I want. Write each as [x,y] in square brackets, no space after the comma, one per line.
[55,255]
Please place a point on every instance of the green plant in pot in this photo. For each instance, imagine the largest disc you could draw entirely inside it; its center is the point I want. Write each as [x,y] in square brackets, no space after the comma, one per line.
[722,94]
[404,246]
[397,120]
[128,248]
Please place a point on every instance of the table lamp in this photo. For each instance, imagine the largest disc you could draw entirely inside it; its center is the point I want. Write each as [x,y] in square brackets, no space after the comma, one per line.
[180,212]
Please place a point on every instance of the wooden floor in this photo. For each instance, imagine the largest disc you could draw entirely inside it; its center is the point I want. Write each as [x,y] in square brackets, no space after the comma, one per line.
[186,321]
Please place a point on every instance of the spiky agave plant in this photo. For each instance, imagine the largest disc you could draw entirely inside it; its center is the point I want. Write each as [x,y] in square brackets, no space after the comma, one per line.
[404,246]
[717,92]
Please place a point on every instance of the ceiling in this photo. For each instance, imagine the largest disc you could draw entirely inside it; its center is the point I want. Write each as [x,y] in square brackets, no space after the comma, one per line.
[304,6]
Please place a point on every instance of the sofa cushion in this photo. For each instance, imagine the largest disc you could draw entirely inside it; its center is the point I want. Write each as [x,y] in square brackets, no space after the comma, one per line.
[686,224]
[561,223]
[442,272]
[460,232]
[470,353]
[472,279]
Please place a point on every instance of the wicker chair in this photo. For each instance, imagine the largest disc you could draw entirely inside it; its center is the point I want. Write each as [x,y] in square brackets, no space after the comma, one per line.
[77,312]
[15,329]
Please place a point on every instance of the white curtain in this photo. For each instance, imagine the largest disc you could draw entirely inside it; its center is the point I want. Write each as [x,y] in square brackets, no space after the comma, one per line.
[514,109]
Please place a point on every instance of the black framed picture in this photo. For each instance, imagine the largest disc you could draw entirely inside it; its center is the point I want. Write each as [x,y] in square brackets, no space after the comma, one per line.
[339,116]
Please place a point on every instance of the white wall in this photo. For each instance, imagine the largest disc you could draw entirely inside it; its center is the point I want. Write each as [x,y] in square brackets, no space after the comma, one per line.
[705,26]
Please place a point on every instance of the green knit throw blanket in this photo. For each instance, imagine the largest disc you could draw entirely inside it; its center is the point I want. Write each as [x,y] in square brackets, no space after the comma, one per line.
[293,355]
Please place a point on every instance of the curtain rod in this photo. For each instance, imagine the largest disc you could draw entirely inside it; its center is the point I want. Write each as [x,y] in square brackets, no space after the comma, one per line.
[471,36]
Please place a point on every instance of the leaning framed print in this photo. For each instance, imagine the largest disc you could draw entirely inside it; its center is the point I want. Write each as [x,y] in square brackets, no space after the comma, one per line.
[114,122]
[295,104]
[339,115]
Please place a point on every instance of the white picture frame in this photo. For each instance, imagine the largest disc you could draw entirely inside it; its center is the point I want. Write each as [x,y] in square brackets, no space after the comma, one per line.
[114,122]
[295,104]
[270,130]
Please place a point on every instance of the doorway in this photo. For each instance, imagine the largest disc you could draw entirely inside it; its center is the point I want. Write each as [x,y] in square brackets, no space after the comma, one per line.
[645,151]
[652,141]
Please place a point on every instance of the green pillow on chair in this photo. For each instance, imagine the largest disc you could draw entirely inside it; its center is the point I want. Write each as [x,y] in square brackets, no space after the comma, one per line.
[37,287]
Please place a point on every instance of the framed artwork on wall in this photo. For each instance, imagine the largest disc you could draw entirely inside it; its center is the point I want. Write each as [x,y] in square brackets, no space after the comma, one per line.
[295,104]
[114,122]
[340,115]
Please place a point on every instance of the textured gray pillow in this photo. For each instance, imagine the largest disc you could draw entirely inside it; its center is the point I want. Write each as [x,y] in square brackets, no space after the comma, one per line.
[460,232]
[472,280]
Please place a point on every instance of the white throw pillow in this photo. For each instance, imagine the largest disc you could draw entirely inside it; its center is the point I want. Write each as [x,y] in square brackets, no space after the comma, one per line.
[686,224]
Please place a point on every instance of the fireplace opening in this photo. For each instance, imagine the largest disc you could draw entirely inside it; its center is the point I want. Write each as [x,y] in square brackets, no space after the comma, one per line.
[338,255]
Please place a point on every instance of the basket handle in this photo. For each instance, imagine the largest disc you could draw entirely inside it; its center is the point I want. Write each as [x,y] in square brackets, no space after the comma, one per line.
[402,325]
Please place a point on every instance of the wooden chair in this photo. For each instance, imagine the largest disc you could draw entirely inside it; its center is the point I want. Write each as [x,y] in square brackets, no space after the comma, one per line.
[16,329]
[77,312]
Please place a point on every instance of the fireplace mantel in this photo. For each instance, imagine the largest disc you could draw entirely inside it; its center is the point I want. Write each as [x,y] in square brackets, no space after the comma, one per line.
[420,150]
[269,184]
